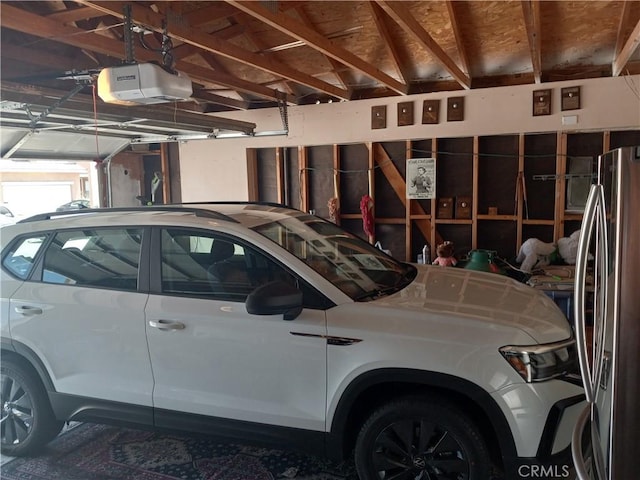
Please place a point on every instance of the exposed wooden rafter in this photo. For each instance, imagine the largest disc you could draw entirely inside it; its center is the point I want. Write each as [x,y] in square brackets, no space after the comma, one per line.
[623,26]
[379,17]
[337,66]
[23,21]
[313,39]
[191,35]
[403,17]
[621,59]
[248,54]
[71,15]
[462,50]
[532,22]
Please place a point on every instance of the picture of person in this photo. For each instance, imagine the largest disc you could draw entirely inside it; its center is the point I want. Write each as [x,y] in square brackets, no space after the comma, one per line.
[421,178]
[421,182]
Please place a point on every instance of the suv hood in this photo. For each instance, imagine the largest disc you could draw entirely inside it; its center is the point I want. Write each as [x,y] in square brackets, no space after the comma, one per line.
[487,297]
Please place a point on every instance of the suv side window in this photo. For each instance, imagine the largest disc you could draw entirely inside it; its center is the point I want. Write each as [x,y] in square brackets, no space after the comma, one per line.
[198,263]
[20,259]
[104,258]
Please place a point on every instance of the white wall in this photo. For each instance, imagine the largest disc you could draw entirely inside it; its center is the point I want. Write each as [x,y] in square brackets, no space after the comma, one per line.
[217,170]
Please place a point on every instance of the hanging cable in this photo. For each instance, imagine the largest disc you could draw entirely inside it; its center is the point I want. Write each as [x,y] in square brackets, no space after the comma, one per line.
[167,46]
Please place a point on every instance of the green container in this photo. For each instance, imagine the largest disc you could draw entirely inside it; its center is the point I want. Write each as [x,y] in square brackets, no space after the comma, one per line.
[482,261]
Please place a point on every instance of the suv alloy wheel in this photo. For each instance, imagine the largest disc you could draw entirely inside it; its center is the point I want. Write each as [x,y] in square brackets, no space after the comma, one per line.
[420,438]
[27,421]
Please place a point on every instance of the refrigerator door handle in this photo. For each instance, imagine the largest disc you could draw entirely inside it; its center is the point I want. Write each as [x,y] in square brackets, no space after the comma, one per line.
[588,219]
[600,283]
[576,445]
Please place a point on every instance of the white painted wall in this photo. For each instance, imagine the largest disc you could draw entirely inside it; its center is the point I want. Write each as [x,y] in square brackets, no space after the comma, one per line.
[217,169]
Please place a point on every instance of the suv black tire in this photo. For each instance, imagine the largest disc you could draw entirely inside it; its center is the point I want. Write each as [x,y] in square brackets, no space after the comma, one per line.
[27,421]
[410,436]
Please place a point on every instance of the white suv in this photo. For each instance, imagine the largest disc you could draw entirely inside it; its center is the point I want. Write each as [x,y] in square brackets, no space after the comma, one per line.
[263,323]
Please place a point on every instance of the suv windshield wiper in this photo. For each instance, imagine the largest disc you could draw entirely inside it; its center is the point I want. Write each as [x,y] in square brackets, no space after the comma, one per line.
[402,282]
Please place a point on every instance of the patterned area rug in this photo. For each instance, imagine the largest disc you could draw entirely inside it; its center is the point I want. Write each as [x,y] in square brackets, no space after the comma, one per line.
[99,452]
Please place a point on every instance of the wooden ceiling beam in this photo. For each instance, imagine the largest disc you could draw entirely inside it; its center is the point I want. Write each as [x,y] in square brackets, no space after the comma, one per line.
[403,17]
[623,26]
[621,59]
[297,30]
[200,94]
[213,12]
[383,29]
[335,65]
[20,20]
[37,57]
[532,23]
[203,40]
[214,63]
[457,33]
[71,15]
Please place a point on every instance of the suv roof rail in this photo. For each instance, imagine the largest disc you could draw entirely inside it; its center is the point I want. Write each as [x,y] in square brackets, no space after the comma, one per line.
[232,202]
[198,212]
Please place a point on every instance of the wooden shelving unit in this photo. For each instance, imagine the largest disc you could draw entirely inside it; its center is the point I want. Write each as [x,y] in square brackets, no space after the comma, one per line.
[523,175]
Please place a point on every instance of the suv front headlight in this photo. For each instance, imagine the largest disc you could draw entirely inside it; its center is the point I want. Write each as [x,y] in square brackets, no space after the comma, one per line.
[537,363]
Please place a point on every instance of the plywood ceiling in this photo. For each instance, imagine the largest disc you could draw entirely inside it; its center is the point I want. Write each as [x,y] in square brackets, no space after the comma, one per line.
[245,55]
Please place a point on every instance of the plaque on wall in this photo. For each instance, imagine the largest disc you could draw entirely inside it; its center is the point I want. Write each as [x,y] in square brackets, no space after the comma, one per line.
[455,109]
[463,207]
[430,111]
[570,98]
[405,113]
[445,207]
[541,102]
[378,117]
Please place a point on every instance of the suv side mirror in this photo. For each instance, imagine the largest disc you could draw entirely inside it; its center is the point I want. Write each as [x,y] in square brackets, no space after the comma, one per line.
[274,298]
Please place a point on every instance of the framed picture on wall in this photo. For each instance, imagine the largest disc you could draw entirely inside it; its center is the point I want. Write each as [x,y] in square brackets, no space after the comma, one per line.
[570,98]
[430,111]
[421,178]
[541,102]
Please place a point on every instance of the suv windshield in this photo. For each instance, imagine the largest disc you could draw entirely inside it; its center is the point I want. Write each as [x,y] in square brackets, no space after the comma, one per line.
[357,268]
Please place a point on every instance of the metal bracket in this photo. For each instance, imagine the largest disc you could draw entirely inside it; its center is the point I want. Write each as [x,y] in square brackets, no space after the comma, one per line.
[36,119]
[129,57]
[282,107]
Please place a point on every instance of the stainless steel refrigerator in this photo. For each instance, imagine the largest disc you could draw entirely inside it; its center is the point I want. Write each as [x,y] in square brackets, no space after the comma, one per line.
[606,440]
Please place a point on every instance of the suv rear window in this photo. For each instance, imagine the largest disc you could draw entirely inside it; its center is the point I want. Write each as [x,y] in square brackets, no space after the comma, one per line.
[105,258]
[20,258]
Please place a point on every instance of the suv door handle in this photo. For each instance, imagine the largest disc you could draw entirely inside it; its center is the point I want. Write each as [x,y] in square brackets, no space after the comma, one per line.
[166,325]
[28,311]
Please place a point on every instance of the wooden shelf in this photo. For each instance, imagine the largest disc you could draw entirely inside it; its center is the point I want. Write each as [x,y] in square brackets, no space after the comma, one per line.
[531,221]
[454,221]
[351,216]
[573,216]
[511,218]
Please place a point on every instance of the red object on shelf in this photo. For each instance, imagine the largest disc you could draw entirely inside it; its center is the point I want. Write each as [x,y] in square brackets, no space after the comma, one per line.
[366,208]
